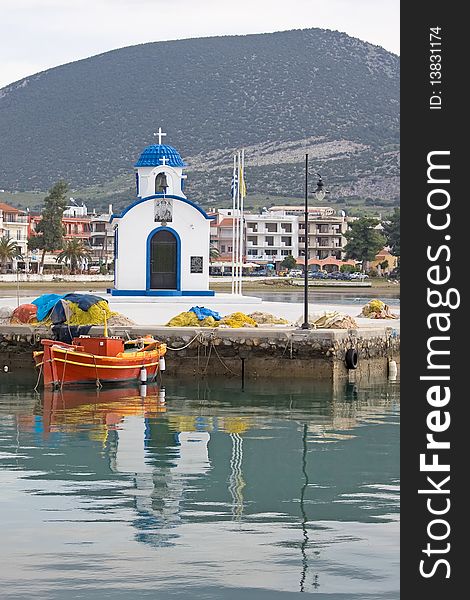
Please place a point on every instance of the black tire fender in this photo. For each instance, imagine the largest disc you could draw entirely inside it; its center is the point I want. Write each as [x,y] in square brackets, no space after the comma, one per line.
[351,358]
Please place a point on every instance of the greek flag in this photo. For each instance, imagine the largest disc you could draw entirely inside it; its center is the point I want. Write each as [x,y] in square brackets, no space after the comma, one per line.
[242,183]
[233,186]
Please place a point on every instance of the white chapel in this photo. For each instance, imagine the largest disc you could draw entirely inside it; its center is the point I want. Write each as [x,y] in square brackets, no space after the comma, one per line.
[162,239]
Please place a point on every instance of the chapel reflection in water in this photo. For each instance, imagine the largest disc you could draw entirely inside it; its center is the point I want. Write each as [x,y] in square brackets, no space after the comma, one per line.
[219,454]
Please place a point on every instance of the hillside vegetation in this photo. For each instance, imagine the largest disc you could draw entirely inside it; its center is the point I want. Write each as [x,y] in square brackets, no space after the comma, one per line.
[278,95]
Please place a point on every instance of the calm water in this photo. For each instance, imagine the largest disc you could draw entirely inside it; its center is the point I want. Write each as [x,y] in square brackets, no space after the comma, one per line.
[218,493]
[359,297]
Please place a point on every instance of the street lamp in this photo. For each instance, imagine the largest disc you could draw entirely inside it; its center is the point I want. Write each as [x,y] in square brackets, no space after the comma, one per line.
[320,194]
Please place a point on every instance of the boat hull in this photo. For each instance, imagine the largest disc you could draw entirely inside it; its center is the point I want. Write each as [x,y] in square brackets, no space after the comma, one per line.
[66,364]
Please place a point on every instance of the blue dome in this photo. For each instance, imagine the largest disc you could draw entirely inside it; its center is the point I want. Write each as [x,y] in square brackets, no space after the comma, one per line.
[152,155]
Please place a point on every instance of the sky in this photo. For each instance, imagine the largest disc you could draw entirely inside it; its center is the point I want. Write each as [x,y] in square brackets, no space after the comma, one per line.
[39,34]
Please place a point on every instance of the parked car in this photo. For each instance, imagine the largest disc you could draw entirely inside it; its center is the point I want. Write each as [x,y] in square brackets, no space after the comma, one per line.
[296,273]
[358,275]
[318,275]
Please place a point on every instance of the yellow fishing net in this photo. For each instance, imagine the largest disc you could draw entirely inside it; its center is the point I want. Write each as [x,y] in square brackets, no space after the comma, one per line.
[95,315]
[189,319]
[376,309]
[238,319]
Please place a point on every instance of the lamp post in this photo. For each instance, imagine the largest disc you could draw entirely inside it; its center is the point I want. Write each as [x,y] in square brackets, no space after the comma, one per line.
[319,195]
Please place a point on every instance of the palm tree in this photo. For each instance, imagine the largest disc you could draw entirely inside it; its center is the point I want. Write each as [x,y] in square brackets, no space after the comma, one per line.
[213,253]
[8,251]
[73,253]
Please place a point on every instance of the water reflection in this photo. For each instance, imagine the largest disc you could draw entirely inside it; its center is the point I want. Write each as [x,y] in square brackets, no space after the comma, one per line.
[285,487]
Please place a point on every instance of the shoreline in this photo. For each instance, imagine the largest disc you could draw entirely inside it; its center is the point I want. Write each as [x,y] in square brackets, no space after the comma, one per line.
[9,289]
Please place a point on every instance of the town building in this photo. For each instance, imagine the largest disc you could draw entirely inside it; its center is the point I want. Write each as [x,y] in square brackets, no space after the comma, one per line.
[102,240]
[14,226]
[299,211]
[270,237]
[76,222]
[382,257]
[221,233]
[325,237]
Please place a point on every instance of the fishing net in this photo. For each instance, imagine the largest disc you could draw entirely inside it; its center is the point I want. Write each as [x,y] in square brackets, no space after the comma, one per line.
[95,315]
[330,320]
[264,318]
[376,309]
[189,319]
[238,319]
[24,314]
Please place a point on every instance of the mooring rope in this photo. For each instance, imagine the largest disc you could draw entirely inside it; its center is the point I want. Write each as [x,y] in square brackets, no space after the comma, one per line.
[39,379]
[186,346]
[221,361]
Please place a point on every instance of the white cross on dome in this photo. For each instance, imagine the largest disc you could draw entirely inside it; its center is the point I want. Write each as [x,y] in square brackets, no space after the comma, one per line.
[164,160]
[159,134]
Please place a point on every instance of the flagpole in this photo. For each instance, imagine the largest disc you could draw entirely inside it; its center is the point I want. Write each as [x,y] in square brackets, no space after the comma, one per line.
[239,224]
[242,195]
[236,217]
[233,223]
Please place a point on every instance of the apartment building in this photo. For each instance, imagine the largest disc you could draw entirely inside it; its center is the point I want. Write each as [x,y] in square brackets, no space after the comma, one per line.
[102,239]
[299,211]
[221,232]
[14,226]
[326,230]
[270,237]
[325,237]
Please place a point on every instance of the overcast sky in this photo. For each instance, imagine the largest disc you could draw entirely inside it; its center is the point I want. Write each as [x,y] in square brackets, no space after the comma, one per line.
[39,34]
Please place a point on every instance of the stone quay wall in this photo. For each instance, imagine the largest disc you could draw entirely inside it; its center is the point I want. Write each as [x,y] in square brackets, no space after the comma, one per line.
[261,352]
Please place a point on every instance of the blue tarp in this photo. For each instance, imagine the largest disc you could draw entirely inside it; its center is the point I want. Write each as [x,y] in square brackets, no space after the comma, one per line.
[45,304]
[201,313]
[66,333]
[60,313]
[84,301]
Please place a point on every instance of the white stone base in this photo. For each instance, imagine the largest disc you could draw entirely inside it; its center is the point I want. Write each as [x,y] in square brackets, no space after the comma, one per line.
[158,310]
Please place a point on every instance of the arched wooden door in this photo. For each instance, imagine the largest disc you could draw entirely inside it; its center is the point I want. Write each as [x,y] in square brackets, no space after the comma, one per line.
[163,261]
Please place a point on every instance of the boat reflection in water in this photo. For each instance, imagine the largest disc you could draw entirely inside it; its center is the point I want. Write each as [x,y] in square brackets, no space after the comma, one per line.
[281,487]
[68,409]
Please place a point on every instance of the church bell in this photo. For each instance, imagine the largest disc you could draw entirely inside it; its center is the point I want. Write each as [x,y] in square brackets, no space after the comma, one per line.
[161,183]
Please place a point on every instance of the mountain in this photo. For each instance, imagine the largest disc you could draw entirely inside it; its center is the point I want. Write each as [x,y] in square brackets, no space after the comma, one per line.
[278,95]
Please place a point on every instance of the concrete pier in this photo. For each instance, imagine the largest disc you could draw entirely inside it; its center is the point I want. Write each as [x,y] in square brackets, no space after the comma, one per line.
[272,352]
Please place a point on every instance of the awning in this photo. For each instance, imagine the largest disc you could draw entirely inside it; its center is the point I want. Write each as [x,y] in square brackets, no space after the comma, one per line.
[228,264]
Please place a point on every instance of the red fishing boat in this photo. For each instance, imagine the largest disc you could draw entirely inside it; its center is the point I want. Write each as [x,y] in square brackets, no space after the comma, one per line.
[99,360]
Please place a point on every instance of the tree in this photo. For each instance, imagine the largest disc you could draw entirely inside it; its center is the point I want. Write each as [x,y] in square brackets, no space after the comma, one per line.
[384,265]
[363,240]
[74,252]
[289,262]
[8,251]
[213,253]
[392,232]
[50,231]
[347,269]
